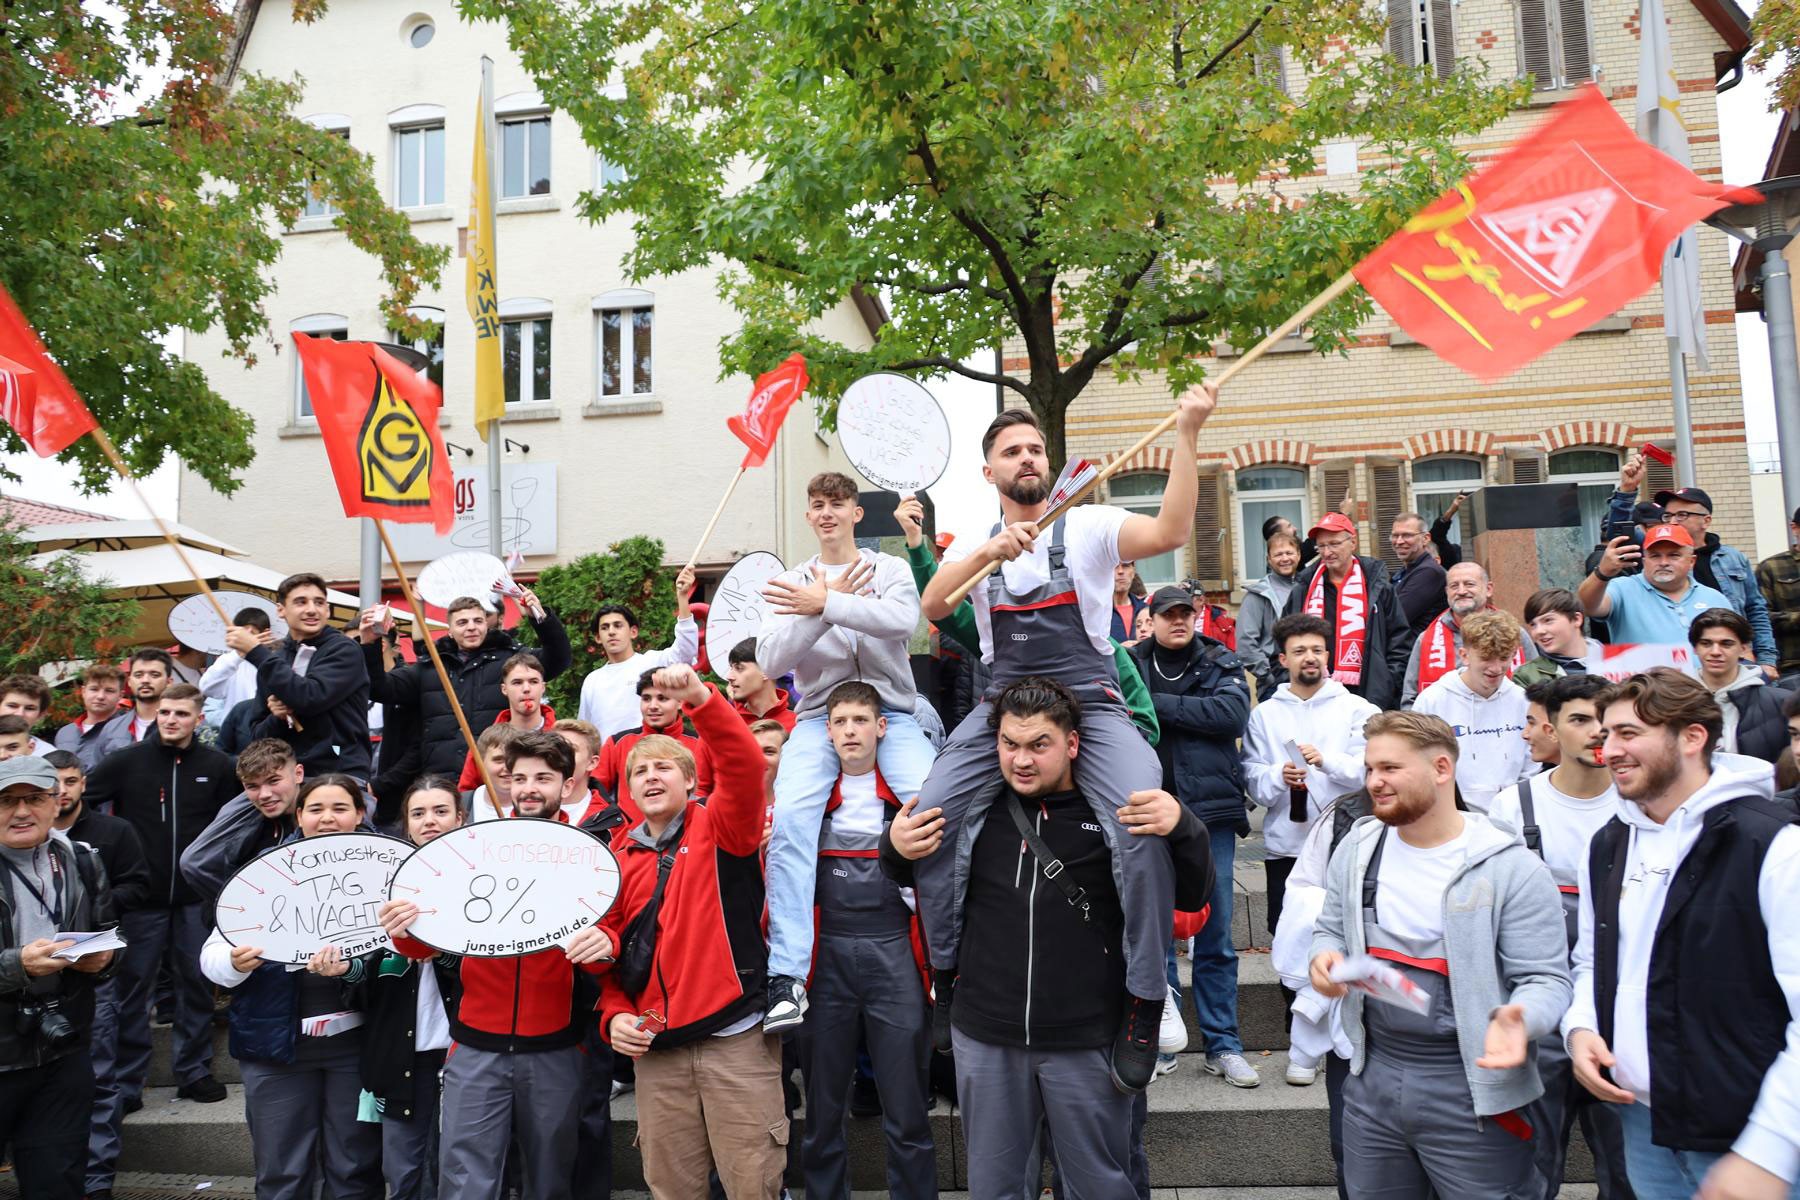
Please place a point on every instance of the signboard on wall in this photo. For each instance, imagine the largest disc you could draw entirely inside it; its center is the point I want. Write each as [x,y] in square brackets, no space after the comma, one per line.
[527,515]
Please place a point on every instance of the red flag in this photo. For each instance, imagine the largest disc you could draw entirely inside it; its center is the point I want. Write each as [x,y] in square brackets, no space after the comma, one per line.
[1656,453]
[379,420]
[36,398]
[1563,231]
[774,394]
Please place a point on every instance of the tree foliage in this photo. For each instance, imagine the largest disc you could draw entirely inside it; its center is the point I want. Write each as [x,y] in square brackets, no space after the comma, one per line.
[54,614]
[122,224]
[1775,30]
[629,573]
[1097,183]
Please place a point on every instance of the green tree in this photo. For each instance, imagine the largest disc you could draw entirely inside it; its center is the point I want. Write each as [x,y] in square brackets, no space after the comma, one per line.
[1775,30]
[629,573]
[55,615]
[122,224]
[1095,183]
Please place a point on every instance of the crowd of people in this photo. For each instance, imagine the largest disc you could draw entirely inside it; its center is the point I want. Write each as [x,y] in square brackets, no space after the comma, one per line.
[1508,890]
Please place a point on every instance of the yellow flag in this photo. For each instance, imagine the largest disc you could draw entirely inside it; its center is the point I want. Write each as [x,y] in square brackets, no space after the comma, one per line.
[484,294]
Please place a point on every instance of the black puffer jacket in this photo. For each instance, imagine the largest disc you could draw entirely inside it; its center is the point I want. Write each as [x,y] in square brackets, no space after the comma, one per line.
[170,796]
[1202,712]
[329,697]
[1388,641]
[476,676]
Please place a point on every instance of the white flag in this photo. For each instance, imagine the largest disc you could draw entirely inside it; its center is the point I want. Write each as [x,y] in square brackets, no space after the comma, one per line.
[1659,122]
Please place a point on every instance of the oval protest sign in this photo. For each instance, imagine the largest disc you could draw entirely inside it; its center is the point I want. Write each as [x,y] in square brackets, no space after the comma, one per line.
[294,900]
[500,888]
[893,432]
[465,573]
[737,607]
[195,622]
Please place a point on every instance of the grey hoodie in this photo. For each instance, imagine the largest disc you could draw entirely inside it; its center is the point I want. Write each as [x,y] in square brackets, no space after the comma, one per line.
[1264,601]
[856,637]
[1504,938]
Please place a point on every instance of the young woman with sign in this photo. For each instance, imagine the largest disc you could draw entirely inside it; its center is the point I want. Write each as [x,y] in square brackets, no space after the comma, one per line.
[297,1038]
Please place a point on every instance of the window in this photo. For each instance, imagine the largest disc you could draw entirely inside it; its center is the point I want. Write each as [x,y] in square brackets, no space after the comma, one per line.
[1143,494]
[1597,471]
[1265,492]
[332,325]
[1555,43]
[419,32]
[1420,34]
[607,173]
[525,359]
[419,165]
[1435,484]
[625,350]
[525,157]
[432,348]
[318,205]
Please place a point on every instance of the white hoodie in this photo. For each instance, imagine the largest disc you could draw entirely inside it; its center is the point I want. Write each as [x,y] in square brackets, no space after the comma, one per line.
[1491,751]
[1331,722]
[1771,1139]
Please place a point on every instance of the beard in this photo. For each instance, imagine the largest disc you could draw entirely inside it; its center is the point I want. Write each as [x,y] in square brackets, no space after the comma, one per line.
[1309,675]
[1654,778]
[1404,809]
[1026,492]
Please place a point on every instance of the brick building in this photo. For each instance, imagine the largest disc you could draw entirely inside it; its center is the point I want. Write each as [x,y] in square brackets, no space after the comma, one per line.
[1399,428]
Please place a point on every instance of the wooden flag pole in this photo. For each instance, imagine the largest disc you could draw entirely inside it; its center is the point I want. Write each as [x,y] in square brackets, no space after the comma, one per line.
[462,722]
[112,455]
[717,513]
[1338,287]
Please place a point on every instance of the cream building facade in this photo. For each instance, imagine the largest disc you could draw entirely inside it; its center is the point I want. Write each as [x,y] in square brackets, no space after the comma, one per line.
[616,414]
[1398,428]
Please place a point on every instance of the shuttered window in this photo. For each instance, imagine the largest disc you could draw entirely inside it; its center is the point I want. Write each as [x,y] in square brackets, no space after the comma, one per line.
[1657,477]
[1555,42]
[1389,485]
[1208,550]
[1422,33]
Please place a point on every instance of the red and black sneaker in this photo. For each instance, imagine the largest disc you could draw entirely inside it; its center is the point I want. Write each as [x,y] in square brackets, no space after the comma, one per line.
[1133,1061]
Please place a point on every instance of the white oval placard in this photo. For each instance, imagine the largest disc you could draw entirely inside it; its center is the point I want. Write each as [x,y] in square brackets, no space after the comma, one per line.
[195,622]
[736,608]
[297,898]
[894,432]
[465,573]
[496,889]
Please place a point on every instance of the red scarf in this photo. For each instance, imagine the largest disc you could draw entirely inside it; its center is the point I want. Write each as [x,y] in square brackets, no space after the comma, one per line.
[1352,620]
[1437,651]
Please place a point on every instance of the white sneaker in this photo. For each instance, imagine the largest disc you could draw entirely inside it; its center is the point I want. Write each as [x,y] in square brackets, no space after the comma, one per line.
[620,1087]
[1301,1076]
[1165,1063]
[1172,1034]
[1232,1066]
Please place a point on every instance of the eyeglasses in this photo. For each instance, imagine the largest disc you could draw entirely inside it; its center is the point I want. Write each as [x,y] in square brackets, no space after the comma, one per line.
[1682,516]
[1334,543]
[28,799]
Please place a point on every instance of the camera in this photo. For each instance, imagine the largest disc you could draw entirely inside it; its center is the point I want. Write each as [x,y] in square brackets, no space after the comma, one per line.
[43,1019]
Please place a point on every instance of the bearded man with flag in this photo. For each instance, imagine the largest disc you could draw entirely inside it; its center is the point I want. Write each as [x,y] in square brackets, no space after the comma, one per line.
[1352,593]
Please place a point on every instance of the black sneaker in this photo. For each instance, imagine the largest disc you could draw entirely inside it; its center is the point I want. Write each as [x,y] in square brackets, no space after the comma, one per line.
[1133,1062]
[133,1104]
[205,1090]
[943,983]
[787,1004]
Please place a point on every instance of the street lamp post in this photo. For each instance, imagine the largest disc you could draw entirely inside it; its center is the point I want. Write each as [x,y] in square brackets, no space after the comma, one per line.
[1768,228]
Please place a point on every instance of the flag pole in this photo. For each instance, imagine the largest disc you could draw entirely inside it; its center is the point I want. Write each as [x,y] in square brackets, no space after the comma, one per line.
[1307,312]
[717,513]
[1685,473]
[462,722]
[118,464]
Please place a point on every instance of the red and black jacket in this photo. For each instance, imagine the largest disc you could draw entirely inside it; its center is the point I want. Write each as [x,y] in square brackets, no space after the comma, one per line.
[610,774]
[709,965]
[782,714]
[470,779]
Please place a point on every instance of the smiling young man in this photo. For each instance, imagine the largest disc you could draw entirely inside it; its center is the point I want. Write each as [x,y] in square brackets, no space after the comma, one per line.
[1046,611]
[1687,967]
[1463,910]
[1486,709]
[686,997]
[102,726]
[659,715]
[476,652]
[1751,709]
[258,818]
[843,615]
[27,696]
[608,691]
[1553,621]
[148,674]
[522,682]
[312,682]
[753,693]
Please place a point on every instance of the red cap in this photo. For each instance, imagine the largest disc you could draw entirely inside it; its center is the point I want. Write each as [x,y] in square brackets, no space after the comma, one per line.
[1332,523]
[1658,534]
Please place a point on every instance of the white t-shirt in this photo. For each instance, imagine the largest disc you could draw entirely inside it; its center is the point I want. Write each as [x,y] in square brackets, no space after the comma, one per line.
[1409,899]
[577,808]
[860,810]
[431,1028]
[1091,551]
[609,700]
[1566,824]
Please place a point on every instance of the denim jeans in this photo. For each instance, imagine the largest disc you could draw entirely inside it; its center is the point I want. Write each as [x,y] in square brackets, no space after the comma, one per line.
[1658,1173]
[809,768]
[1214,959]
